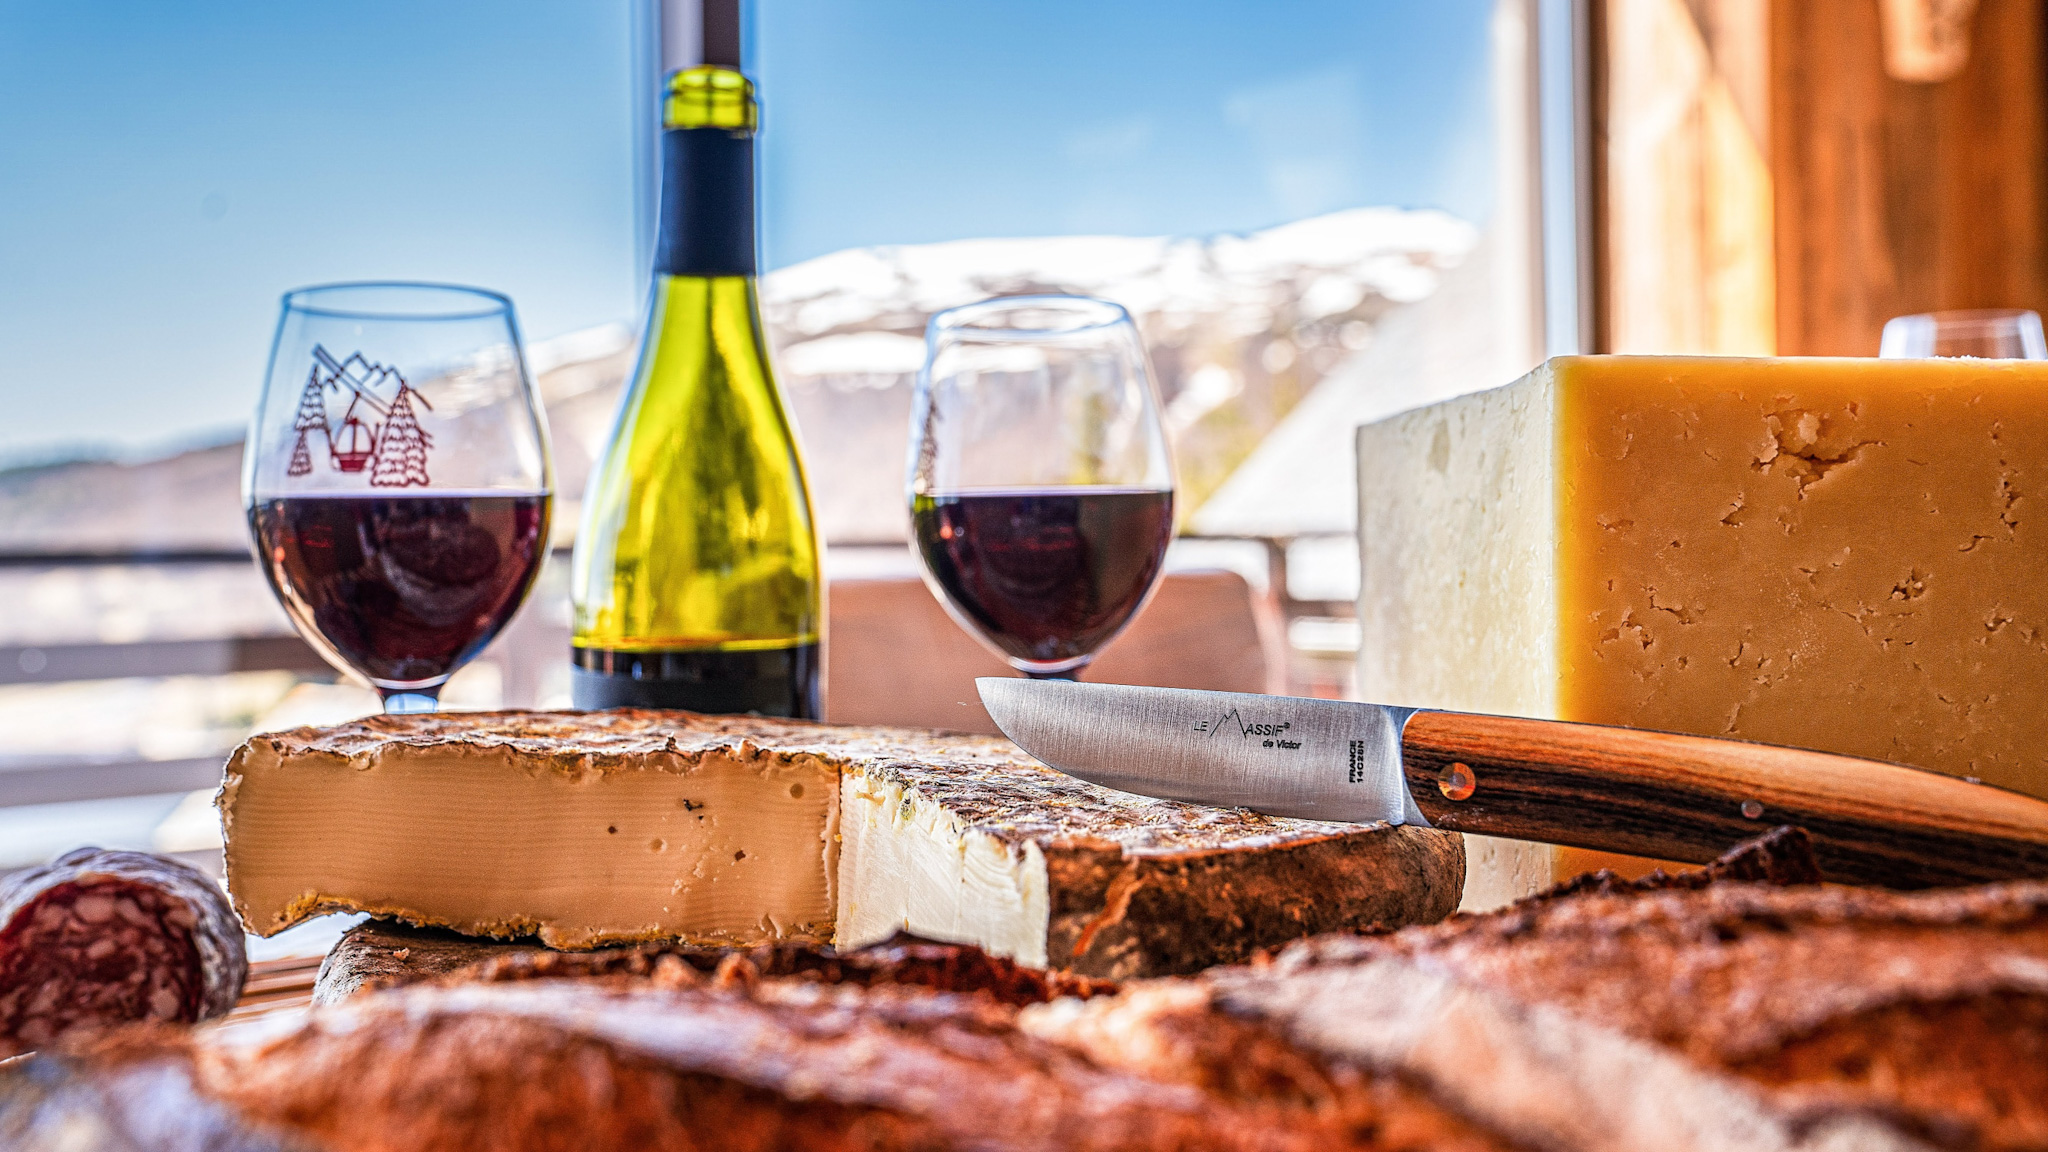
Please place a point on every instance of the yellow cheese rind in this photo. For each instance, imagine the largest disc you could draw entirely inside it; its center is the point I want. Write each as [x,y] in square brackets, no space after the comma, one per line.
[1830,553]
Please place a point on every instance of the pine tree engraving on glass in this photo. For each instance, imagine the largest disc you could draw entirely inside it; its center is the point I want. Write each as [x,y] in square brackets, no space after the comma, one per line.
[400,531]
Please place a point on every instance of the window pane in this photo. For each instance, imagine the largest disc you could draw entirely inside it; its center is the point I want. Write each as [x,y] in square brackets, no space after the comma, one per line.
[168,171]
[907,122]
[171,169]
[1271,190]
[1320,212]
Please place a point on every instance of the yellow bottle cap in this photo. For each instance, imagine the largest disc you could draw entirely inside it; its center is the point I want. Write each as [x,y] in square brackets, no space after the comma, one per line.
[710,96]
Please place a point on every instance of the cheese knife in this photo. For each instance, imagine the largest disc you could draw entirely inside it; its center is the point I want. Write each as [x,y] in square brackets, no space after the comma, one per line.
[1629,790]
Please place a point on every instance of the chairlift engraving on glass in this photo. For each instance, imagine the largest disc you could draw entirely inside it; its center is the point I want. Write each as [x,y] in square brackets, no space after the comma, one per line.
[396,577]
[380,436]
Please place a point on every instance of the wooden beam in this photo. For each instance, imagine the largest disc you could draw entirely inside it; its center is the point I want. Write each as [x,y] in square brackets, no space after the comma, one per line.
[67,782]
[58,663]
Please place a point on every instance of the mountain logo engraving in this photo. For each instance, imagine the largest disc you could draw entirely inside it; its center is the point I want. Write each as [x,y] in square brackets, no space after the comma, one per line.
[376,435]
[1232,721]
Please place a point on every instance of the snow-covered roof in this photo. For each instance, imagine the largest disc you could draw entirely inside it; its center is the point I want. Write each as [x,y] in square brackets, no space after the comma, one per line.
[1301,479]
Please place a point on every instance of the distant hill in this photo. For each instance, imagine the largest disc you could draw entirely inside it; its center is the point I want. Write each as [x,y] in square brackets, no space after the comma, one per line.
[188,501]
[1239,328]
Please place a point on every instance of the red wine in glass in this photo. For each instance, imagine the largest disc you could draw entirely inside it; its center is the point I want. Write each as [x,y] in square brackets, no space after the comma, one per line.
[404,588]
[1047,575]
[1040,482]
[396,478]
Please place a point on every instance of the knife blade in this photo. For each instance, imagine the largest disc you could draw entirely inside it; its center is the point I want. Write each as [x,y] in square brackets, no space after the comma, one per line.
[1281,755]
[1644,793]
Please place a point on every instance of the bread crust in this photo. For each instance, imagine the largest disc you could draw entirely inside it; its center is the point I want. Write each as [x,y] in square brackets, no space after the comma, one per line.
[574,1065]
[1918,1016]
[1625,1015]
[377,955]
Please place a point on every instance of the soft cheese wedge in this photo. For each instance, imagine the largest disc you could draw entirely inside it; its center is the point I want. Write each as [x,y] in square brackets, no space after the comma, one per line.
[586,829]
[636,841]
[1836,554]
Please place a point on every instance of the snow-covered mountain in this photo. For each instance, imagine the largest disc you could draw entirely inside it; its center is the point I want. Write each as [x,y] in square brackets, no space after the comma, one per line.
[1239,326]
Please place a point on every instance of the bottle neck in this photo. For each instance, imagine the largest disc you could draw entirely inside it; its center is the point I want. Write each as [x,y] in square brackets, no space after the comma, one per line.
[707,203]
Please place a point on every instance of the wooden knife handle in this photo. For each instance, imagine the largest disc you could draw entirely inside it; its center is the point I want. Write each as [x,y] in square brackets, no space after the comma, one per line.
[1690,798]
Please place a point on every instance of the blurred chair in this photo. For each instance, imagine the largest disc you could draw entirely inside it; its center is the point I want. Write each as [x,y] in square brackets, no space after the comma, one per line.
[895,657]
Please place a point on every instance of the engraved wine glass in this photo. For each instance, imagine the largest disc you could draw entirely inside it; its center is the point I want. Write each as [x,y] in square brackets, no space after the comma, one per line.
[397,480]
[1041,487]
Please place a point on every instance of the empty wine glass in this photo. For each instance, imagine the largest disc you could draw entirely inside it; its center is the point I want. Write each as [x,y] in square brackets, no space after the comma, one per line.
[1989,333]
[397,480]
[1041,487]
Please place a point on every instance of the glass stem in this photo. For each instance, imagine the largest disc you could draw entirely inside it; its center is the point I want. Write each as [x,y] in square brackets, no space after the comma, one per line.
[1073,673]
[408,703]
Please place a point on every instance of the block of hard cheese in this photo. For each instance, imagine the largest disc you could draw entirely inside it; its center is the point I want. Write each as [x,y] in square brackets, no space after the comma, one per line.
[1837,554]
[587,829]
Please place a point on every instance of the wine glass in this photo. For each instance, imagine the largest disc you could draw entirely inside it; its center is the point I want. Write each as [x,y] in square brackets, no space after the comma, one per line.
[1041,488]
[1990,333]
[397,480]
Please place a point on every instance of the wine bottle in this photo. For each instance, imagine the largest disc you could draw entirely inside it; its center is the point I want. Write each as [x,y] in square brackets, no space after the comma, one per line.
[696,577]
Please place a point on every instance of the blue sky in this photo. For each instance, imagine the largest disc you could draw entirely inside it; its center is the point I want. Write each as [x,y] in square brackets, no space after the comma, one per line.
[167,170]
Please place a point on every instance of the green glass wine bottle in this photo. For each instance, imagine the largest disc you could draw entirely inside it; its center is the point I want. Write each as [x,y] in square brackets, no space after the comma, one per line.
[696,577]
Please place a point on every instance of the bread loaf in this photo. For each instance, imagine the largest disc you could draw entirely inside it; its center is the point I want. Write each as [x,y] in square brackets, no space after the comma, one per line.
[1679,1015]
[1737,1015]
[575,1065]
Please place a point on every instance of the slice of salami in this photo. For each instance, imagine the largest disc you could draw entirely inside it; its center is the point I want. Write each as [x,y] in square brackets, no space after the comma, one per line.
[97,938]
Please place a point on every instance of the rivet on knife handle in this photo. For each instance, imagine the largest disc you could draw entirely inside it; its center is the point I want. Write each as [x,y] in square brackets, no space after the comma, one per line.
[1457,782]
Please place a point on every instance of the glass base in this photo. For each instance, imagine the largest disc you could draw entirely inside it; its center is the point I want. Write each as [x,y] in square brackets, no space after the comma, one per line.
[409,703]
[1068,669]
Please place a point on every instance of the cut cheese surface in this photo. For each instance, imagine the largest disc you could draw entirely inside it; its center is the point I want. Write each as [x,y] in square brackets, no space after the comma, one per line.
[664,847]
[910,864]
[587,829]
[1835,554]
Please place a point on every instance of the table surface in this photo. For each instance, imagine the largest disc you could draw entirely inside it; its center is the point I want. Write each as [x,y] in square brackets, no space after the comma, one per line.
[283,984]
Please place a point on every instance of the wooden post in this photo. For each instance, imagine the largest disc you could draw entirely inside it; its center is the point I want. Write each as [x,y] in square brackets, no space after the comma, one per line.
[1880,196]
[1685,182]
[1895,197]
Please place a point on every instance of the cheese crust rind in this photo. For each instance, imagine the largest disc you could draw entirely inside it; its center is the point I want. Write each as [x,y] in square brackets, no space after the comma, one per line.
[1131,884]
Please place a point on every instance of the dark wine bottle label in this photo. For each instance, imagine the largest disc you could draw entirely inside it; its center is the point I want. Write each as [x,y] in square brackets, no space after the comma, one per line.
[769,682]
[706,226]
